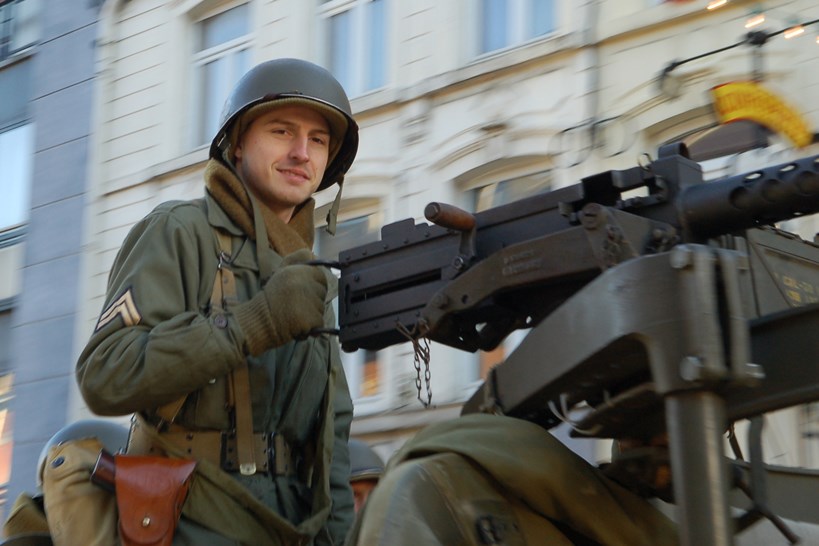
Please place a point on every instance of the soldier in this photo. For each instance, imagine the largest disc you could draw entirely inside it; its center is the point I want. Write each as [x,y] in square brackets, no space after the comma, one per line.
[366,468]
[487,479]
[214,325]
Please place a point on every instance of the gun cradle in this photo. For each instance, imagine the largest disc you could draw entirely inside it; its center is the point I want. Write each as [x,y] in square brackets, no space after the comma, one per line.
[696,317]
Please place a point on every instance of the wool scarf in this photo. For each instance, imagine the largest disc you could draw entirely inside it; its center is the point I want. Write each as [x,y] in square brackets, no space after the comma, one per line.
[231,194]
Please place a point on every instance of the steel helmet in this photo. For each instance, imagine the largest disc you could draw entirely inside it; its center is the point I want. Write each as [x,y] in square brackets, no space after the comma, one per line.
[293,80]
[113,437]
[364,462]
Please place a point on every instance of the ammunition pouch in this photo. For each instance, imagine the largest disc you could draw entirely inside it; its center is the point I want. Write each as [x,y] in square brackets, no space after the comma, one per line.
[78,511]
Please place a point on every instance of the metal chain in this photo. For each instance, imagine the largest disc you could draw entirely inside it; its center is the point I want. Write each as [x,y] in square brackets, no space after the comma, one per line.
[422,348]
[421,352]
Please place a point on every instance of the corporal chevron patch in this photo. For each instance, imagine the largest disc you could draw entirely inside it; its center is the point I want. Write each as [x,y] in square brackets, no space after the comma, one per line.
[124,307]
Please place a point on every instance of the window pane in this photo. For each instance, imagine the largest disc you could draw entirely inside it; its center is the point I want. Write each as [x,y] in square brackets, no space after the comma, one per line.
[363,368]
[26,28]
[376,23]
[541,20]
[224,27]
[371,375]
[16,154]
[364,371]
[494,25]
[508,191]
[5,342]
[349,234]
[217,77]
[341,51]
[217,68]
[241,64]
[214,74]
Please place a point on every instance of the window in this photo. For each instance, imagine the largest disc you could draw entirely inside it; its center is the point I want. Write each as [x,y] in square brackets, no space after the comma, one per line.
[6,437]
[16,155]
[19,26]
[221,57]
[356,43]
[810,434]
[489,359]
[509,190]
[493,195]
[505,23]
[364,373]
[363,368]
[5,337]
[350,233]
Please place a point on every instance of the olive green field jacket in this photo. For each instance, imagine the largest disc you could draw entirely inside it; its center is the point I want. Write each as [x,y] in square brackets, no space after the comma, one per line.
[156,342]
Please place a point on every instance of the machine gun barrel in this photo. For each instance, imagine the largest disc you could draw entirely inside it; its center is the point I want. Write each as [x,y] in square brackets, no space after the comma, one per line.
[753,199]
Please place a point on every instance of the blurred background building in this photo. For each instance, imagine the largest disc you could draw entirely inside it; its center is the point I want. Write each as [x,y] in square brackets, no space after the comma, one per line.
[108,109]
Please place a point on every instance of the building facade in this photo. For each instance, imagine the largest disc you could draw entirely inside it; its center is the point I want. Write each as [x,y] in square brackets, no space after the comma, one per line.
[476,103]
[47,50]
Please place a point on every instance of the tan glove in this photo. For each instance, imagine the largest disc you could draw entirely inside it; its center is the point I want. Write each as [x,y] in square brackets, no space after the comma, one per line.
[288,307]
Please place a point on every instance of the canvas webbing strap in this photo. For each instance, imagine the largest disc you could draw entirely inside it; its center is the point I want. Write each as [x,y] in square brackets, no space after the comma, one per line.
[168,412]
[222,296]
[239,383]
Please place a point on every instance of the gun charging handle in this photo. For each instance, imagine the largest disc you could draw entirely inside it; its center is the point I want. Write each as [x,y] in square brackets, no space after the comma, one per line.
[454,218]
[449,216]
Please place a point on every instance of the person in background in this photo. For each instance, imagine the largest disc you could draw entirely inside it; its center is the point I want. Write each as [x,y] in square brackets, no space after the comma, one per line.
[366,468]
[484,479]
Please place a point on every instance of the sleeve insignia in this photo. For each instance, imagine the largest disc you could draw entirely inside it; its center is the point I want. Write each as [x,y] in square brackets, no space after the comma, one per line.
[124,307]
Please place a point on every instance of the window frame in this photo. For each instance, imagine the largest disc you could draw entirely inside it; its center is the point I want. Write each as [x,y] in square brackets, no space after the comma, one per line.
[360,48]
[199,136]
[353,363]
[14,230]
[469,186]
[518,13]
[9,29]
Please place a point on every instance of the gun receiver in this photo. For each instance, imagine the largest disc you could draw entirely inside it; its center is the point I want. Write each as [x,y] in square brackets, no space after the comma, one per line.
[468,280]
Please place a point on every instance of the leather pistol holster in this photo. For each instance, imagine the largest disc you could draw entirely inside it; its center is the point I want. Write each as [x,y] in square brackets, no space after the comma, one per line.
[150,493]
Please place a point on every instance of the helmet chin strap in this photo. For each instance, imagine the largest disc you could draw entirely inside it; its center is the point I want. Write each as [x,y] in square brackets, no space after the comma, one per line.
[332,214]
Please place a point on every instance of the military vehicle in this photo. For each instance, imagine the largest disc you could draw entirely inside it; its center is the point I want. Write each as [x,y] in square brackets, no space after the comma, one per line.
[656,304]
[677,312]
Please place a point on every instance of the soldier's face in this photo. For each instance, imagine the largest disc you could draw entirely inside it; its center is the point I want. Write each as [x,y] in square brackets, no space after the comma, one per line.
[282,157]
[362,490]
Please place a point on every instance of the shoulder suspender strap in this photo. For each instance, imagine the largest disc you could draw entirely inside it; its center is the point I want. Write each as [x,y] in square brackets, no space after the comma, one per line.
[222,295]
[239,382]
[224,286]
[170,411]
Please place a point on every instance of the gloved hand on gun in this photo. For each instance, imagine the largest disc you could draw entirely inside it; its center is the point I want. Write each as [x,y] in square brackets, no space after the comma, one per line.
[291,305]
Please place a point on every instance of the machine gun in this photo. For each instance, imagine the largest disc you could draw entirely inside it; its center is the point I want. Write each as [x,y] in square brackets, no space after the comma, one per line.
[677,311]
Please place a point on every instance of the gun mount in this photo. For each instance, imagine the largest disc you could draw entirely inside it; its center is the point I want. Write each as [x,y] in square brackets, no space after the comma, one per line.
[678,311]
